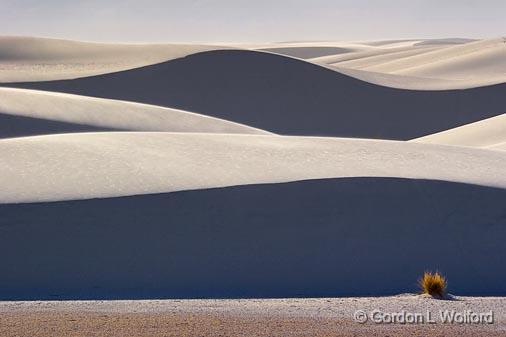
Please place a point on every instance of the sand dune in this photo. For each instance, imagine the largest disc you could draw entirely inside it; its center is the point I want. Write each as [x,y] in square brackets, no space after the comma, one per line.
[417,42]
[403,81]
[324,49]
[368,61]
[294,45]
[468,65]
[363,59]
[97,165]
[193,204]
[288,96]
[488,133]
[308,52]
[486,57]
[395,60]
[463,63]
[38,59]
[29,112]
[383,50]
[309,238]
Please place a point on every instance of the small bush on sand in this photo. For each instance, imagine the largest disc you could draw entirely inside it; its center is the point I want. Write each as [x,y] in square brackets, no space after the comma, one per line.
[433,284]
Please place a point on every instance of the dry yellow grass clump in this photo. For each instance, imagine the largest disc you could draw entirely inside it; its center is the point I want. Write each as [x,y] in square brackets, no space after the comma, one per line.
[433,284]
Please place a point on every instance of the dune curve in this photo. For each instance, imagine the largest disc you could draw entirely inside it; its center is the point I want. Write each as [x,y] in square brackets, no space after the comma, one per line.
[99,165]
[265,91]
[309,238]
[461,66]
[38,59]
[487,133]
[130,171]
[30,112]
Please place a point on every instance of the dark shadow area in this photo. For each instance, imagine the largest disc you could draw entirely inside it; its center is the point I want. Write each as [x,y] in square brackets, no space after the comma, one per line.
[20,126]
[288,96]
[333,237]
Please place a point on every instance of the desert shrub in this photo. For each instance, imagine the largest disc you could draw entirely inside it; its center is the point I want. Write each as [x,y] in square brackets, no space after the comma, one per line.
[433,284]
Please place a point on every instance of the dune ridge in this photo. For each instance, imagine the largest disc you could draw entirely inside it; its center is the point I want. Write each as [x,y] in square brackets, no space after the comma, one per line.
[307,52]
[468,65]
[484,57]
[39,59]
[454,63]
[363,58]
[314,238]
[74,113]
[99,165]
[488,133]
[125,173]
[265,91]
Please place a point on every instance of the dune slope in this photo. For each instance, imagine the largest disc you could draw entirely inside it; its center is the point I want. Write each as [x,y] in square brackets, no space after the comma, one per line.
[288,96]
[176,204]
[37,59]
[29,112]
[487,133]
[307,52]
[364,59]
[461,66]
[308,238]
[483,58]
[98,165]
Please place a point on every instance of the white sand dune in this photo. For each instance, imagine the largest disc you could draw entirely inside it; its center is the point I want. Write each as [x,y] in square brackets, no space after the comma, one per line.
[488,133]
[403,81]
[309,238]
[326,49]
[267,232]
[353,52]
[302,45]
[366,61]
[462,63]
[362,59]
[302,238]
[480,58]
[29,112]
[98,165]
[38,59]
[466,65]
[308,52]
[417,42]
[288,96]
[217,209]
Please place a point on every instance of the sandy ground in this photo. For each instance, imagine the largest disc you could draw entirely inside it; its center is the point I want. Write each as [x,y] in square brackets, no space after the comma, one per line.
[255,317]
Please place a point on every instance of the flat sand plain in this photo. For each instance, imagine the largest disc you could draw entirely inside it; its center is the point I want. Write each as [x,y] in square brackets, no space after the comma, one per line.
[253,317]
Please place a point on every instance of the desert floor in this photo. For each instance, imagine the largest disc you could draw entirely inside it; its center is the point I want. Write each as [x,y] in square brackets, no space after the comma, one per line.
[255,317]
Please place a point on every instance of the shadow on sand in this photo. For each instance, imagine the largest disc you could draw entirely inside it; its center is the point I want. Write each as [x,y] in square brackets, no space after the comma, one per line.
[288,96]
[331,237]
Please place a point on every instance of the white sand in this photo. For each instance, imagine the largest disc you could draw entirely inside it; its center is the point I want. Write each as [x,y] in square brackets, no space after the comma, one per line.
[342,308]
[249,318]
[501,146]
[95,165]
[242,213]
[412,64]
[77,111]
[363,59]
[461,62]
[467,65]
[288,96]
[488,133]
[38,59]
